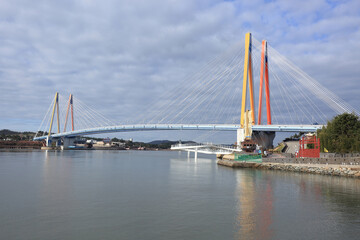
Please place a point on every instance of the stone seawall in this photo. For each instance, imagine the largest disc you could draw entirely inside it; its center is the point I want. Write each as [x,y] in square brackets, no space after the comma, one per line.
[329,160]
[352,159]
[332,170]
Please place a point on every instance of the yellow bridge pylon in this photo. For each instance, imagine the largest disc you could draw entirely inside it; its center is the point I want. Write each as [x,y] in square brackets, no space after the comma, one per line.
[248,74]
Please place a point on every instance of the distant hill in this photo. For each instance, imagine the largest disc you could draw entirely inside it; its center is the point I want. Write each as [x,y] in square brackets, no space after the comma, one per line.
[162,142]
[157,142]
[8,132]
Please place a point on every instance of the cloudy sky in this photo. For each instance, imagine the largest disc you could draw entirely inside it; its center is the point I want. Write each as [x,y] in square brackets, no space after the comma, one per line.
[119,55]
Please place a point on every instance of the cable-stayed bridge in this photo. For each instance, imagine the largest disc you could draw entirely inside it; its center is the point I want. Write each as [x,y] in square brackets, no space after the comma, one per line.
[220,96]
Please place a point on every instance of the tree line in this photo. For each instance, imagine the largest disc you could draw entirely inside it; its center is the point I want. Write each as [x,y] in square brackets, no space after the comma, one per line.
[341,135]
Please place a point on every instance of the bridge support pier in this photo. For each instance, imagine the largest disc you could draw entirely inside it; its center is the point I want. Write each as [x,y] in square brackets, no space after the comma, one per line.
[240,136]
[68,142]
[264,139]
[48,141]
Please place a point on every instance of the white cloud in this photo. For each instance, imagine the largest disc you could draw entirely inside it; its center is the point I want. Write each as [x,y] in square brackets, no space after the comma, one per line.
[118,55]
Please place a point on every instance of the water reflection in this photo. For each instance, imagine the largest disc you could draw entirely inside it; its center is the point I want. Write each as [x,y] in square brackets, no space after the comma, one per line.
[246,206]
[254,217]
[109,194]
[301,203]
[57,179]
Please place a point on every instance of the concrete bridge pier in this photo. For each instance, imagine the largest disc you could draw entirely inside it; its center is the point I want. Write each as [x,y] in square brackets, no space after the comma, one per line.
[48,141]
[240,137]
[67,141]
[264,139]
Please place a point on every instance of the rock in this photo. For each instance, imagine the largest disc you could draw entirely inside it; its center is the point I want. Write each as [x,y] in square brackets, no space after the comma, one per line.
[357,174]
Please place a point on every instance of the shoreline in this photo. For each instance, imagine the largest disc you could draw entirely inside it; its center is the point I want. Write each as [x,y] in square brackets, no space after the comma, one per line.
[352,171]
[75,149]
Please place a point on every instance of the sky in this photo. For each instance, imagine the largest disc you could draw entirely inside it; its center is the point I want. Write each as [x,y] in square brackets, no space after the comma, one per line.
[119,55]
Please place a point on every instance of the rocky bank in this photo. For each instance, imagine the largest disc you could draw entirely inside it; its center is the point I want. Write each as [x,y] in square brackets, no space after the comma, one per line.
[332,170]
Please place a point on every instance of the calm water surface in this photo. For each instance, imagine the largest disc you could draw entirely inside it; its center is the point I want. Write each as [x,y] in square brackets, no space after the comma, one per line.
[165,195]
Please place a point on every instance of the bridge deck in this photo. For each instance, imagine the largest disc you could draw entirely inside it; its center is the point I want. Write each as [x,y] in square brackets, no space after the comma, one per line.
[206,127]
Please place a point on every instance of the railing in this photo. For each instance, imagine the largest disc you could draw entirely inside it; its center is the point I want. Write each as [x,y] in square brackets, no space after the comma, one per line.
[178,145]
[206,147]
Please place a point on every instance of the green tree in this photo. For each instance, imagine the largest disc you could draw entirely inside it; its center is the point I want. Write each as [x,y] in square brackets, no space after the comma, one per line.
[342,134]
[310,146]
[117,140]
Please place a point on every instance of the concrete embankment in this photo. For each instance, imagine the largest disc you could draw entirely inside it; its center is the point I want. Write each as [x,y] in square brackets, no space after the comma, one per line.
[332,170]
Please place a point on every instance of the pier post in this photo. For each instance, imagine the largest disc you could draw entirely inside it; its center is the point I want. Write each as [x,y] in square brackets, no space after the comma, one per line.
[48,141]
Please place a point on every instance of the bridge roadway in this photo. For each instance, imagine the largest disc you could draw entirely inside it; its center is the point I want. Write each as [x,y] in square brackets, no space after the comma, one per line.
[207,127]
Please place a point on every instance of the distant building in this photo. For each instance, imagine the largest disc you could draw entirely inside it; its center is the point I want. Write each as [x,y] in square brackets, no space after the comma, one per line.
[118,144]
[101,144]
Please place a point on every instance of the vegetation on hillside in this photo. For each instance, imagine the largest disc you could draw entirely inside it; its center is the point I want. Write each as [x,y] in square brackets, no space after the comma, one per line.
[342,134]
[158,144]
[295,137]
[6,134]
